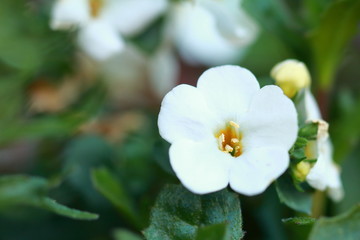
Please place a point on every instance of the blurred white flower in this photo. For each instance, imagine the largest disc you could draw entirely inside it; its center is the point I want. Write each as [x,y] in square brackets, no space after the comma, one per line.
[211,32]
[102,23]
[163,71]
[134,78]
[228,130]
[325,174]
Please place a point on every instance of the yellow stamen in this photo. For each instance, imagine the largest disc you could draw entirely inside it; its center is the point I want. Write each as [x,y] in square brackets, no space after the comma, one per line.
[234,124]
[221,140]
[229,149]
[95,7]
[229,139]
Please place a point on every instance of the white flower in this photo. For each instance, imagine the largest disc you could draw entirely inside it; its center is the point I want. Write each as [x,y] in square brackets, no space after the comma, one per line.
[325,174]
[102,22]
[228,130]
[135,78]
[211,32]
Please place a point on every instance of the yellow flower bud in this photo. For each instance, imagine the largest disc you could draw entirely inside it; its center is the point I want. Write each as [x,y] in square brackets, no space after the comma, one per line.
[302,170]
[291,76]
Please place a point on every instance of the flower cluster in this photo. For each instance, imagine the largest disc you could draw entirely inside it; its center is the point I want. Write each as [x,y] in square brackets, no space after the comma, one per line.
[205,32]
[102,23]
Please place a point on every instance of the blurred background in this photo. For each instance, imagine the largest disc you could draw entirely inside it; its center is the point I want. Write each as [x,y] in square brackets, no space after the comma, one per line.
[79,102]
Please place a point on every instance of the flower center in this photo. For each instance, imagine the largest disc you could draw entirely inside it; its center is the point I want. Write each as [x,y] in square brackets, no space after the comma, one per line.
[95,7]
[229,139]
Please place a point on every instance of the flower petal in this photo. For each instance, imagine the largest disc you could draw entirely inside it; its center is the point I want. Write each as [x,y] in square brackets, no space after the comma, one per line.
[335,188]
[100,40]
[185,114]
[125,83]
[325,174]
[69,13]
[164,71]
[233,23]
[311,108]
[131,16]
[254,171]
[197,36]
[201,166]
[228,90]
[270,121]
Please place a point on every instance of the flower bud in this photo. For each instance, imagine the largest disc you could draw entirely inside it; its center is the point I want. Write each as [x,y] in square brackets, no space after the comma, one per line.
[291,76]
[302,170]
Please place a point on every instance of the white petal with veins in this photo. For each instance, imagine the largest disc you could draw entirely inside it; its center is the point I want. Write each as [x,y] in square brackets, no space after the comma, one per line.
[270,107]
[228,90]
[200,166]
[255,170]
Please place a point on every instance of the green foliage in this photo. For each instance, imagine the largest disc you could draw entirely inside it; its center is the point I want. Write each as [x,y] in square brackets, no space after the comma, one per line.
[122,234]
[47,126]
[344,227]
[161,156]
[346,130]
[114,191]
[291,196]
[328,40]
[299,220]
[180,214]
[80,156]
[306,136]
[306,133]
[309,131]
[31,191]
[51,205]
[276,17]
[212,232]
[149,40]
[27,43]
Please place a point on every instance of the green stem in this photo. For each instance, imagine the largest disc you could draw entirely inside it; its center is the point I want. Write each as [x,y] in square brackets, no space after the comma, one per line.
[319,204]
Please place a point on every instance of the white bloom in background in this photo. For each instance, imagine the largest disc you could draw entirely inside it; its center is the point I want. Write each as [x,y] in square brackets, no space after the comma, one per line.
[325,174]
[228,130]
[102,23]
[211,32]
[163,71]
[133,77]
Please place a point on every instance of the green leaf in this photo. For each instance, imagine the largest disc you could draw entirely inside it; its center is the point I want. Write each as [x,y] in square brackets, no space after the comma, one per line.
[49,126]
[299,220]
[344,227]
[30,191]
[290,196]
[301,142]
[114,191]
[20,189]
[161,156]
[212,232]
[309,131]
[150,39]
[122,234]
[274,16]
[53,206]
[82,154]
[329,39]
[180,214]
